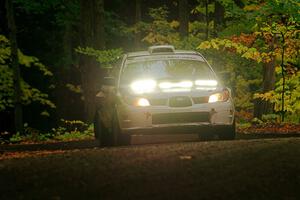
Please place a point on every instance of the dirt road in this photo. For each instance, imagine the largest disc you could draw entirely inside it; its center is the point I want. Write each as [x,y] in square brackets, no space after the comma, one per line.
[241,169]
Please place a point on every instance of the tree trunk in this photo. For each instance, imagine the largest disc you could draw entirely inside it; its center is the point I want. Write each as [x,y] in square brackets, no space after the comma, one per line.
[265,107]
[138,18]
[218,15]
[183,18]
[99,25]
[18,117]
[92,35]
[206,19]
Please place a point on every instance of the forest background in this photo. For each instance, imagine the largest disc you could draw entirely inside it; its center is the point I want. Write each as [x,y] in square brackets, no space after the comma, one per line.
[66,47]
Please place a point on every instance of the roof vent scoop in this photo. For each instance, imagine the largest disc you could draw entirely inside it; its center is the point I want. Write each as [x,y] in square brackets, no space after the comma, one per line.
[161,49]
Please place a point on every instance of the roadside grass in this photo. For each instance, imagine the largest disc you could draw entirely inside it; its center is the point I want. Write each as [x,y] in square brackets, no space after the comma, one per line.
[268,128]
[68,131]
[52,137]
[269,123]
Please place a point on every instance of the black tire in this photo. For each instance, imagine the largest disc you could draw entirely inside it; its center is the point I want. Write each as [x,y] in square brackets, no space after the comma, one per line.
[118,138]
[227,133]
[101,133]
[115,131]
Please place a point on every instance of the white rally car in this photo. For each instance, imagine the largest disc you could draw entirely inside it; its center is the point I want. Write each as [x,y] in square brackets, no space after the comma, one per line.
[163,92]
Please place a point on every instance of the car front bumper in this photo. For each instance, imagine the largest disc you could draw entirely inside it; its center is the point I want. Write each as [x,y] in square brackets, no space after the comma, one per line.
[166,120]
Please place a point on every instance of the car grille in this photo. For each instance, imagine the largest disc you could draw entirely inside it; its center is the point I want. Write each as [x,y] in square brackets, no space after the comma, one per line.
[180,101]
[186,117]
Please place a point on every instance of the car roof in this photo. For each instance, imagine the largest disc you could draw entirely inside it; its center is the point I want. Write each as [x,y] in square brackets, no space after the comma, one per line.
[147,53]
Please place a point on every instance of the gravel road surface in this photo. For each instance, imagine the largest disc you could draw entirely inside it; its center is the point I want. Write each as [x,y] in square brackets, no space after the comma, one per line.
[240,169]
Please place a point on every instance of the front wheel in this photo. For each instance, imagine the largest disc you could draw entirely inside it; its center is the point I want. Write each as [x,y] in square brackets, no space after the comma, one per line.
[101,133]
[117,137]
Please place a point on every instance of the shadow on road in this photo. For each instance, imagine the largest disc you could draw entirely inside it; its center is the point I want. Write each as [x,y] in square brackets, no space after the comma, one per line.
[86,144]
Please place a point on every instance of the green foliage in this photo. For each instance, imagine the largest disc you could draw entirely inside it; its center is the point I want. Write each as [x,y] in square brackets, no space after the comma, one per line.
[73,125]
[65,12]
[31,61]
[283,25]
[292,97]
[236,28]
[197,29]
[106,57]
[30,135]
[16,138]
[263,22]
[29,93]
[239,48]
[232,11]
[159,30]
[74,88]
[69,130]
[243,125]
[270,118]
[275,10]
[188,43]
[76,135]
[200,8]
[256,121]
[72,130]
[115,28]
[243,93]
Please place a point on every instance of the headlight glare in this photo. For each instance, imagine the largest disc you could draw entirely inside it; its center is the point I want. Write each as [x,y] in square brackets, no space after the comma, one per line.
[206,83]
[143,86]
[186,84]
[214,98]
[219,97]
[182,84]
[142,102]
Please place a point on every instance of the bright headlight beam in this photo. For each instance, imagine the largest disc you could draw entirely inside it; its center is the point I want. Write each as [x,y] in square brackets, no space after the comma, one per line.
[177,90]
[143,86]
[206,82]
[182,84]
[222,96]
[185,84]
[165,85]
[214,98]
[142,102]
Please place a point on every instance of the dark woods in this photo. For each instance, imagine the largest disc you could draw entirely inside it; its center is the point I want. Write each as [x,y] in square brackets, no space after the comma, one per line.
[54,79]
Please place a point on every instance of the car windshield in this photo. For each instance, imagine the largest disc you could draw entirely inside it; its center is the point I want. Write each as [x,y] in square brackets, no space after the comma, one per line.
[166,69]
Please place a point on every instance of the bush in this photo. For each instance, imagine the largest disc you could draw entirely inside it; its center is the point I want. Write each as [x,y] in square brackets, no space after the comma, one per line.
[68,131]
[270,118]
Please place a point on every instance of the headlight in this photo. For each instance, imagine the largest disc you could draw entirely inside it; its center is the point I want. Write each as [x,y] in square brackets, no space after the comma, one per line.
[206,83]
[143,86]
[222,96]
[182,84]
[142,102]
[185,84]
[165,85]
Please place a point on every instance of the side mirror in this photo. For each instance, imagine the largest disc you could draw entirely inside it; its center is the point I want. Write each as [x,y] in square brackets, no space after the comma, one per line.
[109,81]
